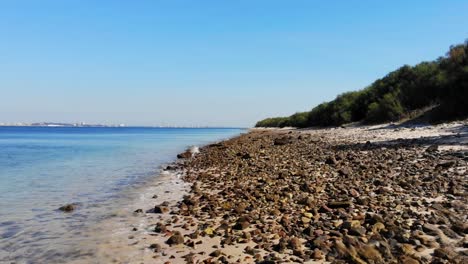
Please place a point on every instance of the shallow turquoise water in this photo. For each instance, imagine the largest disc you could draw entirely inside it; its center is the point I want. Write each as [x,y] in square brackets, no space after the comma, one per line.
[42,168]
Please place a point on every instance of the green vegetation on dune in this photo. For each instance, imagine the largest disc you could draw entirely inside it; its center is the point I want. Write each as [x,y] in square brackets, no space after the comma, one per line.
[442,83]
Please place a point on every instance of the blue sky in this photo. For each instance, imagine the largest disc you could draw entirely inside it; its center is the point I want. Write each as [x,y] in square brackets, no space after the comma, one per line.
[218,63]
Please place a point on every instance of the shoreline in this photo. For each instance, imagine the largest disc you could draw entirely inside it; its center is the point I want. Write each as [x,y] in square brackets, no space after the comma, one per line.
[317,203]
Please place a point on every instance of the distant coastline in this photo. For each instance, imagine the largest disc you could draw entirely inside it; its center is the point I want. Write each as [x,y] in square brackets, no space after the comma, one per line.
[57,124]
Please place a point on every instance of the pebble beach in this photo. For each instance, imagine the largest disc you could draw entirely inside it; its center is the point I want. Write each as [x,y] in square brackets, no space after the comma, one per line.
[382,194]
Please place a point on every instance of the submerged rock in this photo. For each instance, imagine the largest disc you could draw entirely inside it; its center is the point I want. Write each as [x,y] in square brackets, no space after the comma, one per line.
[67,208]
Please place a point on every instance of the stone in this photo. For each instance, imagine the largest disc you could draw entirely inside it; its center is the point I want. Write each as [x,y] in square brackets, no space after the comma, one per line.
[432,148]
[159,209]
[295,243]
[331,161]
[175,239]
[446,253]
[339,204]
[281,141]
[185,155]
[67,208]
[249,250]
[318,254]
[215,253]
[155,247]
[241,224]
[160,228]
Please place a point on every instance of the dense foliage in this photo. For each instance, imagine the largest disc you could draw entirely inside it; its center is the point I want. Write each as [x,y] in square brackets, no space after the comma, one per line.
[442,83]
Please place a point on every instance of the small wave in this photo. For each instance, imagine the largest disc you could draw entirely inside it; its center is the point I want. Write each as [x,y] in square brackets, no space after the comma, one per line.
[194,150]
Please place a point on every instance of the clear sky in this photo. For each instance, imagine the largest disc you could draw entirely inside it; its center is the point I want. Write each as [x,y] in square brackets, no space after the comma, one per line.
[226,63]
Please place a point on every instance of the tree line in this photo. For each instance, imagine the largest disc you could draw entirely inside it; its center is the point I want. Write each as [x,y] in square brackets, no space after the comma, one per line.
[441,85]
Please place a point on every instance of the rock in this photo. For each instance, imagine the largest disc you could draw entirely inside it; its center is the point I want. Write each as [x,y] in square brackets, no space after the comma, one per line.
[281,141]
[67,208]
[446,253]
[431,229]
[354,193]
[240,209]
[308,215]
[281,246]
[295,243]
[318,254]
[155,247]
[344,171]
[331,161]
[249,250]
[160,228]
[339,204]
[195,234]
[185,155]
[215,253]
[432,148]
[370,253]
[242,223]
[446,164]
[175,239]
[246,156]
[408,260]
[189,258]
[357,231]
[159,209]
[208,231]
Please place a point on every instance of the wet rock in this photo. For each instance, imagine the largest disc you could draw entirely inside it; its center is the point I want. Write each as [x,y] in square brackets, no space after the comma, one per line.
[185,155]
[67,208]
[160,209]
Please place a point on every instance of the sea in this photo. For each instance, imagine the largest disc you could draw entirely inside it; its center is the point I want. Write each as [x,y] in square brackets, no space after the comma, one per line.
[95,168]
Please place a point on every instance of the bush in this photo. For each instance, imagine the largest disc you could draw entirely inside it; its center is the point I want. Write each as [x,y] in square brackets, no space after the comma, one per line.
[273,122]
[387,109]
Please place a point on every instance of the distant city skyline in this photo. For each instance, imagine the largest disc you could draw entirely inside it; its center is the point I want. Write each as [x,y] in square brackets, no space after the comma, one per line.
[206,63]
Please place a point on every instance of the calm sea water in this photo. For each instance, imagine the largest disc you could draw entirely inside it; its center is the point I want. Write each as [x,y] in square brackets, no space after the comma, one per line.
[42,168]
